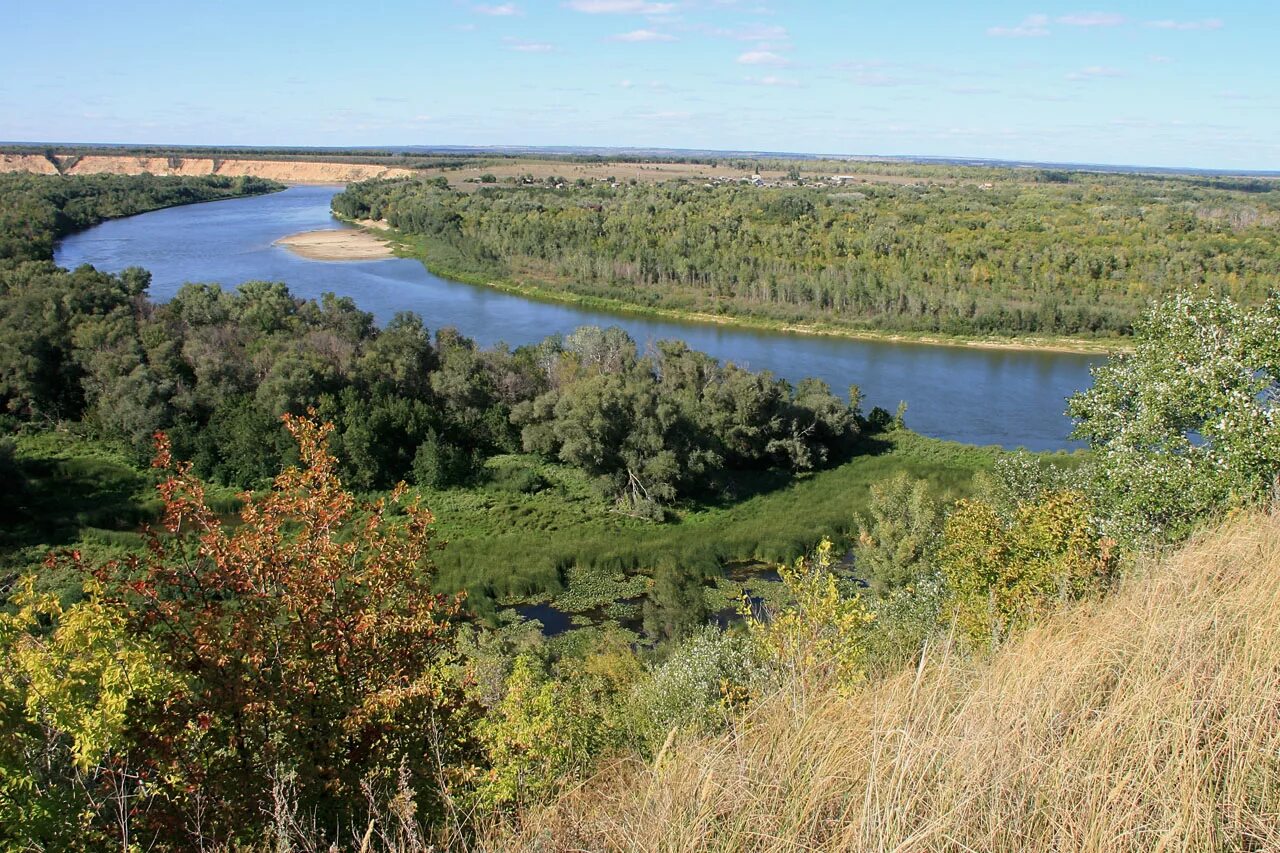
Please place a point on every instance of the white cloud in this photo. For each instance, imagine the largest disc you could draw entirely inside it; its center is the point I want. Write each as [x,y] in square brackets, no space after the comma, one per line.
[620,7]
[1233,95]
[1032,26]
[626,84]
[1206,24]
[1095,72]
[1092,19]
[503,11]
[668,115]
[1159,59]
[771,80]
[878,78]
[763,57]
[528,46]
[643,36]
[753,32]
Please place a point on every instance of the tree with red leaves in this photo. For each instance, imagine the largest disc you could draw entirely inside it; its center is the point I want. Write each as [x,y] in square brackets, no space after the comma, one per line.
[317,658]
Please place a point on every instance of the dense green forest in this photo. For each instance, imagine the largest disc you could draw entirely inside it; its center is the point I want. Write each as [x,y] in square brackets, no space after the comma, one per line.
[264,640]
[1041,253]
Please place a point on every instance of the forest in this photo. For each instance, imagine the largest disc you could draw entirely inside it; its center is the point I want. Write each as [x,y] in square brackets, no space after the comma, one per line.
[266,565]
[1040,253]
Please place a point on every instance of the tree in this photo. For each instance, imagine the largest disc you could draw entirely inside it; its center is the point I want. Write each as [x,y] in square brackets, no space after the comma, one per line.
[310,643]
[437,464]
[1188,422]
[676,606]
[897,543]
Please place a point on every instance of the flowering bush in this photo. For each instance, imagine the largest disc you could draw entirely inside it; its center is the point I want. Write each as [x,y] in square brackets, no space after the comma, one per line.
[1187,423]
[696,688]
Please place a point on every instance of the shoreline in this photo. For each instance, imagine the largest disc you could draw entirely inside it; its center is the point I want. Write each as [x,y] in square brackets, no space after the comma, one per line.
[403,248]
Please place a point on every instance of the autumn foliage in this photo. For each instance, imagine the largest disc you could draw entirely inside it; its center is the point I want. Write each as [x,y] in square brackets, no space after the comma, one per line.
[311,652]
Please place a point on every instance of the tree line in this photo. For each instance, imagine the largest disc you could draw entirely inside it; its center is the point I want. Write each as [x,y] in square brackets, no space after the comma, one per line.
[1081,255]
[37,210]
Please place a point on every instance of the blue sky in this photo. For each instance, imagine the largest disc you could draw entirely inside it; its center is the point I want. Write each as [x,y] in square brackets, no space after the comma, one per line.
[1163,82]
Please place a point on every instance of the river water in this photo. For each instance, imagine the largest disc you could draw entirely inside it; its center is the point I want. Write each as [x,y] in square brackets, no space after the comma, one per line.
[980,396]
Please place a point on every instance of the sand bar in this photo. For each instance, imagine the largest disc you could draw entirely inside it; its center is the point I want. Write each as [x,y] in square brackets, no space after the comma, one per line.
[337,245]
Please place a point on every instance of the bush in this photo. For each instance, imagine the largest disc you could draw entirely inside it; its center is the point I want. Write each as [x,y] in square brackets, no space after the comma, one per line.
[897,542]
[695,689]
[437,464]
[1002,573]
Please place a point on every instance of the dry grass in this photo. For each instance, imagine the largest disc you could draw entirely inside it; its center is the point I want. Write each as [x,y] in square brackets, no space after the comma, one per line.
[1149,721]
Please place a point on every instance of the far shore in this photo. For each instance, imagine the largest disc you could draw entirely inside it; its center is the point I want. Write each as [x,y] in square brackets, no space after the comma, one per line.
[346,244]
[547,293]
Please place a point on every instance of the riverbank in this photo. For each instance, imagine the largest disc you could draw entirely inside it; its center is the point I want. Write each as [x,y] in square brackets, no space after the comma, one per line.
[410,247]
[346,244]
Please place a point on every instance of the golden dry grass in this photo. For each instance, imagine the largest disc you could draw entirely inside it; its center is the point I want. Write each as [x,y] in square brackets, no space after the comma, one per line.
[1149,721]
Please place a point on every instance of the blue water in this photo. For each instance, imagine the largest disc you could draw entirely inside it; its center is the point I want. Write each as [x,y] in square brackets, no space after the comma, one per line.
[981,396]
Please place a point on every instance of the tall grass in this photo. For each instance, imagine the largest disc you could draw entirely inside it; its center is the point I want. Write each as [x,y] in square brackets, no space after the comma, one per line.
[1148,721]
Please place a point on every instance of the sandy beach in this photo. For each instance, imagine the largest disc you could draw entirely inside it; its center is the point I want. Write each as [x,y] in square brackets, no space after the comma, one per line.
[336,245]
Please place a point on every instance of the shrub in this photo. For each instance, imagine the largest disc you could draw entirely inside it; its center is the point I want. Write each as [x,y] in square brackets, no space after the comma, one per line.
[819,640]
[1002,573]
[695,689]
[897,542]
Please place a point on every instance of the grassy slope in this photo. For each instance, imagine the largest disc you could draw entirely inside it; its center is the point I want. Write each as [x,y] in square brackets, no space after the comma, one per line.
[1147,721]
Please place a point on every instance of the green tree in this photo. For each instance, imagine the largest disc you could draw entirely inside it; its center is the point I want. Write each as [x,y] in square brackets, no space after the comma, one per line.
[676,605]
[896,543]
[437,464]
[1188,422]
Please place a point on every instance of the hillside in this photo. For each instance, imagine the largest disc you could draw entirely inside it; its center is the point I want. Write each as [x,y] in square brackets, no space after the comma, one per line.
[288,171]
[1148,721]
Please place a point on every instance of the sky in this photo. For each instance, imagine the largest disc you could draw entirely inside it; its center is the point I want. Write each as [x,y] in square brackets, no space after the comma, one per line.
[1156,83]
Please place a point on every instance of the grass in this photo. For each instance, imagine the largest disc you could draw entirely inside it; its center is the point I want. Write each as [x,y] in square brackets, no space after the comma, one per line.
[513,545]
[79,493]
[1147,721]
[534,531]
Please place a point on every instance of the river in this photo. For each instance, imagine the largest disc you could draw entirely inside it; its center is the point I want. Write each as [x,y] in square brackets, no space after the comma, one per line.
[981,396]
